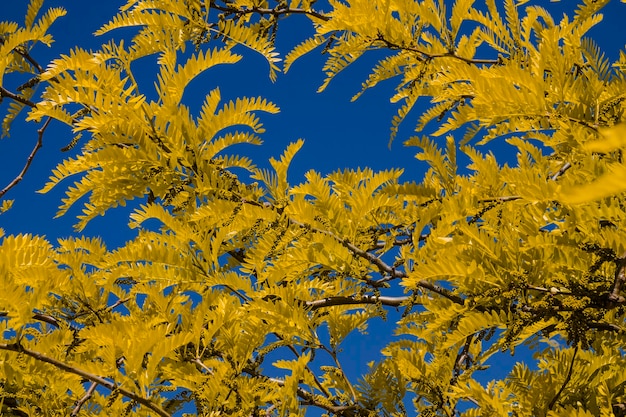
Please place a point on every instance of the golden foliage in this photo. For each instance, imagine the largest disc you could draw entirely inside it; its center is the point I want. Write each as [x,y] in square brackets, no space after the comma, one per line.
[239,302]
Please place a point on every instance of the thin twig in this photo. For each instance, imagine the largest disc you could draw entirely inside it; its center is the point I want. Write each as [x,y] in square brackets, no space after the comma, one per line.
[551,290]
[277,11]
[6,93]
[29,161]
[309,398]
[567,379]
[463,357]
[561,171]
[201,364]
[384,267]
[428,56]
[317,382]
[118,303]
[29,58]
[269,410]
[38,316]
[399,242]
[83,400]
[333,354]
[503,199]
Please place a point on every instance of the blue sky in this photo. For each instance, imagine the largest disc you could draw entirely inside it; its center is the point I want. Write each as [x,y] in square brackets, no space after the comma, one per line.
[338,133]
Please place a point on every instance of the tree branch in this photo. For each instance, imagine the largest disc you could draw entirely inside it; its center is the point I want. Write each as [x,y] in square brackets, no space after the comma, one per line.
[15,347]
[309,398]
[561,171]
[567,379]
[29,161]
[351,300]
[599,325]
[37,316]
[201,364]
[427,56]
[620,278]
[277,11]
[462,358]
[500,199]
[384,267]
[83,400]
[6,93]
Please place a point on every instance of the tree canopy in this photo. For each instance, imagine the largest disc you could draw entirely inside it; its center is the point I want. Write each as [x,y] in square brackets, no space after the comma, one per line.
[240,300]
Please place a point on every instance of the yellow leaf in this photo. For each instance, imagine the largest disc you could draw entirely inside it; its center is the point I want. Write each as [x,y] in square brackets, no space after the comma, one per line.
[611,183]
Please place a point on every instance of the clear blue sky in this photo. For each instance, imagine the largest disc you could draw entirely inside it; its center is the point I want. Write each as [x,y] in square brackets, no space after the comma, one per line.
[338,134]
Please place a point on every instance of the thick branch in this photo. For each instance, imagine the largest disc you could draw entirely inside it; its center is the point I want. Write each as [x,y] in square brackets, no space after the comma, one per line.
[599,325]
[365,299]
[93,378]
[620,278]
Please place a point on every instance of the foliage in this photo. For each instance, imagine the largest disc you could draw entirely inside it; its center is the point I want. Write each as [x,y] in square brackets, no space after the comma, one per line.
[241,300]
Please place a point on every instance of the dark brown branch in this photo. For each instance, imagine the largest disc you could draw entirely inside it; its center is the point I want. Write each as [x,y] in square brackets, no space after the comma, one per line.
[500,199]
[383,267]
[15,347]
[38,316]
[29,161]
[462,358]
[6,93]
[309,399]
[400,241]
[428,56]
[373,259]
[30,83]
[29,58]
[599,325]
[394,273]
[619,409]
[618,282]
[277,11]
